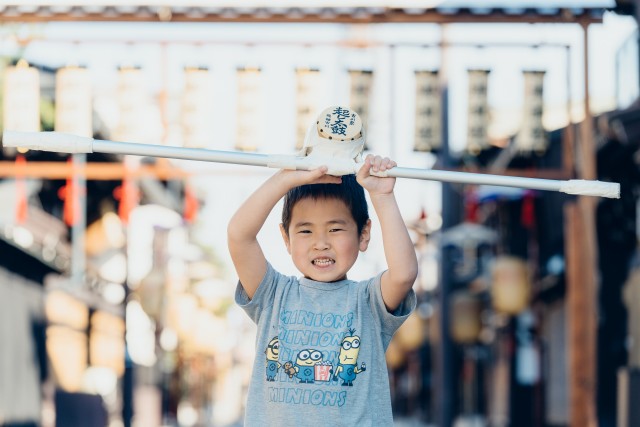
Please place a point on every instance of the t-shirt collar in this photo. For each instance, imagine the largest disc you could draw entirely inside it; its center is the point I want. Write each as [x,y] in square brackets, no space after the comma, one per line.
[304,281]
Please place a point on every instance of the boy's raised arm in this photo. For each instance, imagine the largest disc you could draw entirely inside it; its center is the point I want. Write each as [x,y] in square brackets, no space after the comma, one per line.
[399,252]
[246,253]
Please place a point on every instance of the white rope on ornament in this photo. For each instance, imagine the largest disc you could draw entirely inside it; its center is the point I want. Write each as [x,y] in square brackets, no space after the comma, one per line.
[336,141]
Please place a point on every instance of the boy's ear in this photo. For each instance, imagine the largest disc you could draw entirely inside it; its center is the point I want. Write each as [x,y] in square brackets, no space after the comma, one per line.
[285,237]
[365,236]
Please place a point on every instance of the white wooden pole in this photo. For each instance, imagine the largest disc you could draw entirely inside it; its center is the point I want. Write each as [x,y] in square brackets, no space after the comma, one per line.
[66,143]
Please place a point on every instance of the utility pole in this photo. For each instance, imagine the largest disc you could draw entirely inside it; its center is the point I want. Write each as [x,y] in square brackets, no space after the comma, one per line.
[446,380]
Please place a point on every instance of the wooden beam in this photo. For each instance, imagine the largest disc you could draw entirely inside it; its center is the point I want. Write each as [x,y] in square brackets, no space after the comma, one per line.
[581,320]
[356,15]
[92,171]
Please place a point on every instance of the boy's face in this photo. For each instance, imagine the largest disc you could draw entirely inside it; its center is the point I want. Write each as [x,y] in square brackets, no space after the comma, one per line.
[323,239]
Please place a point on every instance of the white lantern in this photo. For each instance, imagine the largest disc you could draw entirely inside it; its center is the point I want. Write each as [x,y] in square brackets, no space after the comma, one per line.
[73,101]
[477,111]
[532,136]
[428,136]
[249,114]
[21,104]
[197,108]
[308,98]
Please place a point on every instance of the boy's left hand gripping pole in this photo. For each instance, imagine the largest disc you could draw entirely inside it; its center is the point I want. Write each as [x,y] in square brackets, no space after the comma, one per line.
[48,141]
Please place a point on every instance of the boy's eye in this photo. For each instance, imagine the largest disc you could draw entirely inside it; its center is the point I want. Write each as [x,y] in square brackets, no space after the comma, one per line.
[304,231]
[333,230]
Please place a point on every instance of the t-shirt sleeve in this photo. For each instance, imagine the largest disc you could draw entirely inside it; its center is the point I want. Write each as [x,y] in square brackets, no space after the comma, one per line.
[264,296]
[389,321]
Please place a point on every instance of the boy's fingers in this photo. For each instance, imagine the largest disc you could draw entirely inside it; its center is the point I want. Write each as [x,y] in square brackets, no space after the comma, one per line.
[379,163]
[318,172]
[387,163]
[319,176]
[321,170]
[364,169]
[375,164]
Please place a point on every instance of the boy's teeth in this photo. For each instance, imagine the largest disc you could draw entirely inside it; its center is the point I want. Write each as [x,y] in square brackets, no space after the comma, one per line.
[323,261]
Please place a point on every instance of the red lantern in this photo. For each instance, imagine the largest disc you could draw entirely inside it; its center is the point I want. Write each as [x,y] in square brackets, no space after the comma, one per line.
[21,192]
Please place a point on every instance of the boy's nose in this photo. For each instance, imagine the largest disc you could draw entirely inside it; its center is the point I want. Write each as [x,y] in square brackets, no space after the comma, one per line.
[321,243]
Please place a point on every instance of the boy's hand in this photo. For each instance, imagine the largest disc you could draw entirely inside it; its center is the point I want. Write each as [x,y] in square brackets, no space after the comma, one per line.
[373,184]
[319,175]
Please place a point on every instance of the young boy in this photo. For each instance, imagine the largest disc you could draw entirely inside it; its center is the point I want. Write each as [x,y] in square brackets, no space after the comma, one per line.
[323,336]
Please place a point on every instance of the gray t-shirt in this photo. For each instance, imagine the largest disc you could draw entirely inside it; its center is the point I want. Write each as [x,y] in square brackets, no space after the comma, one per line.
[320,352]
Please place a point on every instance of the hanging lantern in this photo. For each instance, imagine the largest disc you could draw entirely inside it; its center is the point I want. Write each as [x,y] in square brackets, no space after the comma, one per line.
[428,136]
[308,98]
[21,106]
[127,194]
[106,341]
[360,93]
[67,317]
[131,103]
[465,322]
[477,112]
[412,334]
[105,234]
[70,194]
[191,205]
[197,108]
[249,117]
[395,356]
[22,202]
[73,113]
[532,137]
[510,289]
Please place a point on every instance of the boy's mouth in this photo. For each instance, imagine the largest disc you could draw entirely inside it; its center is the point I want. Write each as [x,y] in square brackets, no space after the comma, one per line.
[323,262]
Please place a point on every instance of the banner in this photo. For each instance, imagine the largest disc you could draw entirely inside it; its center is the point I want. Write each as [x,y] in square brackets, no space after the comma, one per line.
[308,98]
[74,110]
[249,114]
[131,98]
[21,104]
[360,94]
[197,108]
[428,118]
[477,112]
[532,136]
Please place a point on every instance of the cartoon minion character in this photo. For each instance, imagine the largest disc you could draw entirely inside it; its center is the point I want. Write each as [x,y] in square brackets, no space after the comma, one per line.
[347,368]
[304,364]
[272,352]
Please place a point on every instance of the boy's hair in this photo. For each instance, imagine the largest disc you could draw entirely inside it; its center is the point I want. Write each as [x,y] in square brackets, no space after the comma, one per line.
[349,191]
